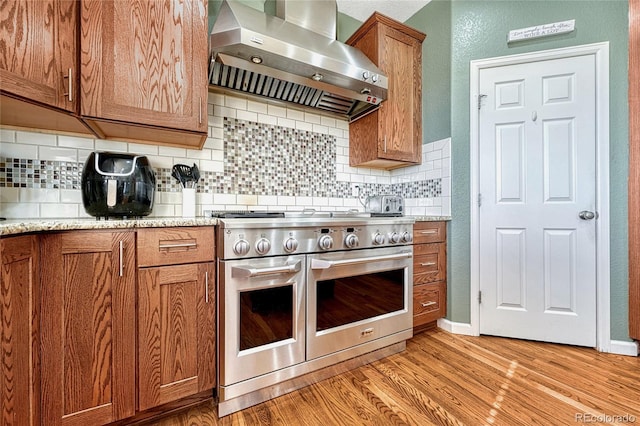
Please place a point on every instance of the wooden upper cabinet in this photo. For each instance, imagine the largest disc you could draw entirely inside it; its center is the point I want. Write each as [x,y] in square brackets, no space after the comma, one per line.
[39,65]
[391,136]
[145,62]
[19,310]
[88,331]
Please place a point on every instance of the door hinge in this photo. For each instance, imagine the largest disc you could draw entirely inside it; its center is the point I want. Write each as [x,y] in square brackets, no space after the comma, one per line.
[479,200]
[479,297]
[480,101]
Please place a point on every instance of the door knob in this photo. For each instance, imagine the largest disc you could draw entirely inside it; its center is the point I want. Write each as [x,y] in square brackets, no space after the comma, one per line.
[586,215]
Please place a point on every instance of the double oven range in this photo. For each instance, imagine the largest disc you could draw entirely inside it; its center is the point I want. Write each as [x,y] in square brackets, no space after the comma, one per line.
[298,294]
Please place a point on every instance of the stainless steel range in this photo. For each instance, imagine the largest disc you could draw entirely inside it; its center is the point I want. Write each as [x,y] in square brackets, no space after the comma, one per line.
[298,294]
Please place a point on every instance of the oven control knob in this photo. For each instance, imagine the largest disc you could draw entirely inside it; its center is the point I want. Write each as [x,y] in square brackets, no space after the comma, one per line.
[290,245]
[325,242]
[351,241]
[407,237]
[263,246]
[241,247]
[378,239]
[394,238]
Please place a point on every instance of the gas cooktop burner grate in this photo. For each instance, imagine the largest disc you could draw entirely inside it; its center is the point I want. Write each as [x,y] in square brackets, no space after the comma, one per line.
[229,214]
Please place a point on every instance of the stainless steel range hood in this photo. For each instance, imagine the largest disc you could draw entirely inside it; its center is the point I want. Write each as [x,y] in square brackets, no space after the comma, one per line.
[293,57]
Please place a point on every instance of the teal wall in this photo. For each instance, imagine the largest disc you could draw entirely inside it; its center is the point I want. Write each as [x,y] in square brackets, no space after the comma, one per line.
[435,21]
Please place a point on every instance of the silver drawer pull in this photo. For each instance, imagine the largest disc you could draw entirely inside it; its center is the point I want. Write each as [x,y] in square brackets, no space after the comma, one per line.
[424,305]
[326,264]
[428,264]
[430,231]
[247,271]
[177,245]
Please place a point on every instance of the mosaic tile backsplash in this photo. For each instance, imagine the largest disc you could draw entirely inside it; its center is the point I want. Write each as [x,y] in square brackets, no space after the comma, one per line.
[257,156]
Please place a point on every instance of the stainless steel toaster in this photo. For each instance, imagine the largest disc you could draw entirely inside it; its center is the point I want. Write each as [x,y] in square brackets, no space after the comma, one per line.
[385,205]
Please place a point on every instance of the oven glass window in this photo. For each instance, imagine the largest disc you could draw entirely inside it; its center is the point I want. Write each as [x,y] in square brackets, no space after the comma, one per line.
[345,300]
[266,316]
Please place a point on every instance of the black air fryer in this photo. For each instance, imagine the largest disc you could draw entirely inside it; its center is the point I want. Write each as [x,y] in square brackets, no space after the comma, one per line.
[118,185]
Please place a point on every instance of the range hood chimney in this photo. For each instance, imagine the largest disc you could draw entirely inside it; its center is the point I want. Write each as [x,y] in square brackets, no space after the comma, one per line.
[293,57]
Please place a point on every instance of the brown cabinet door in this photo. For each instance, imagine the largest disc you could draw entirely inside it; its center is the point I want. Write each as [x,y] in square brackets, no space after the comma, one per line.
[88,327]
[19,301]
[391,136]
[39,51]
[400,115]
[176,332]
[145,61]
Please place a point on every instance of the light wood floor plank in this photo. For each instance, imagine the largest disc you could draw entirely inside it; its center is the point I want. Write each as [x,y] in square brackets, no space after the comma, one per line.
[446,379]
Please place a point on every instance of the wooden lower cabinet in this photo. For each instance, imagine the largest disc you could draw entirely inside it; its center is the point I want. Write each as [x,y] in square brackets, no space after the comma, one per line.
[429,272]
[176,332]
[88,327]
[19,301]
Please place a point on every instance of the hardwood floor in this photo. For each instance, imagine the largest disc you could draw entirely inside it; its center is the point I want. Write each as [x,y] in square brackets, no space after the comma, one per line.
[448,379]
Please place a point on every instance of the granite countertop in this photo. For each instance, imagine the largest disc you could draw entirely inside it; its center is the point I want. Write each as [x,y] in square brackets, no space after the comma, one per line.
[432,218]
[20,226]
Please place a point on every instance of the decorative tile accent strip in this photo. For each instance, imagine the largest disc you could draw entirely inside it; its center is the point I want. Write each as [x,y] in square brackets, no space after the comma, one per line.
[29,173]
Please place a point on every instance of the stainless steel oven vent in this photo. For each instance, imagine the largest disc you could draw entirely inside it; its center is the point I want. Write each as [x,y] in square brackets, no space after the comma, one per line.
[259,84]
[293,57]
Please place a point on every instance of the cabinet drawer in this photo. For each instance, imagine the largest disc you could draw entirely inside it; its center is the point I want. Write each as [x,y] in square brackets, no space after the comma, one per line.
[429,263]
[429,232]
[429,302]
[172,246]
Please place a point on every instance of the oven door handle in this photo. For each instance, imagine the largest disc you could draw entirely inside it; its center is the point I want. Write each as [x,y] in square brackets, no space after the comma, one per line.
[248,272]
[326,264]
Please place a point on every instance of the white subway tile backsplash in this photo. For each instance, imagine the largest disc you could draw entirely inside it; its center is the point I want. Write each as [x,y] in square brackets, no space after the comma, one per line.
[168,151]
[20,210]
[247,200]
[311,118]
[143,149]
[246,115]
[223,111]
[320,129]
[70,196]
[37,195]
[235,103]
[285,122]
[16,150]
[9,195]
[31,138]
[216,99]
[57,154]
[258,107]
[294,114]
[303,125]
[211,161]
[75,142]
[113,146]
[199,154]
[224,199]
[267,119]
[59,210]
[8,136]
[277,111]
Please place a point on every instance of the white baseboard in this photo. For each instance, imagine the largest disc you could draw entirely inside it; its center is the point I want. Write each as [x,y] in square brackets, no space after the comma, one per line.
[620,347]
[455,327]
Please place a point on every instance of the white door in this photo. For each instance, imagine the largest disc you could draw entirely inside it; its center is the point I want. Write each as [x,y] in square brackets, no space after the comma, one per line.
[537,152]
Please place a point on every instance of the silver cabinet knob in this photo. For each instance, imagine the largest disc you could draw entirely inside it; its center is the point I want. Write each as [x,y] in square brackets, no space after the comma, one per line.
[586,215]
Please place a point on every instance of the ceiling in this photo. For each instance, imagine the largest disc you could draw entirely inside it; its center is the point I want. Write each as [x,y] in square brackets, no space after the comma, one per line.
[400,10]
